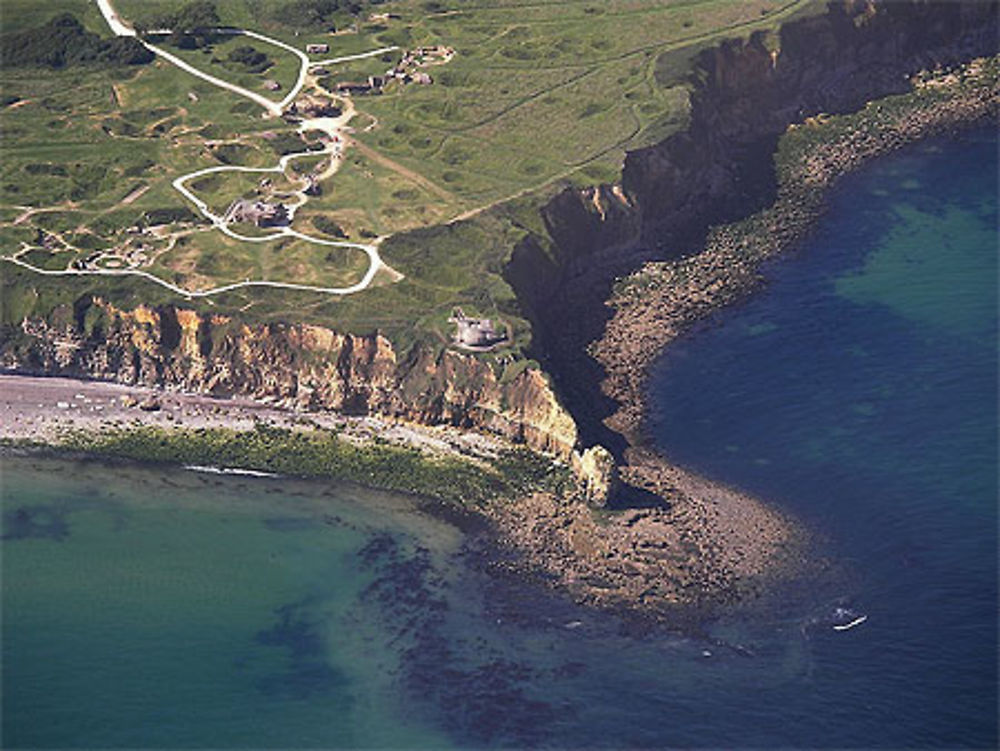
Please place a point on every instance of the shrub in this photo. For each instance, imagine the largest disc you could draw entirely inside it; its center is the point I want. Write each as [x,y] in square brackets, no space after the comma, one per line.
[252,60]
[154,217]
[64,41]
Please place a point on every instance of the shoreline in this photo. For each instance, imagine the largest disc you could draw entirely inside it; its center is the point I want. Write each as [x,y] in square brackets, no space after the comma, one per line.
[739,545]
[36,405]
[685,545]
[70,417]
[665,300]
[672,562]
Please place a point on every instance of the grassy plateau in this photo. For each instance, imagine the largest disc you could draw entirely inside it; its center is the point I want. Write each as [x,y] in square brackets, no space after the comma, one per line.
[524,99]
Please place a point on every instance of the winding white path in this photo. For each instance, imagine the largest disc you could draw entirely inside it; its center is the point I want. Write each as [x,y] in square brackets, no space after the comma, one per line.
[119,27]
[365,281]
[329,125]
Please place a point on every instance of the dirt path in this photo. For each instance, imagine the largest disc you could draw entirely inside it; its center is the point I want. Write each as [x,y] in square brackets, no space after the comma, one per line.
[133,196]
[331,126]
[401,170]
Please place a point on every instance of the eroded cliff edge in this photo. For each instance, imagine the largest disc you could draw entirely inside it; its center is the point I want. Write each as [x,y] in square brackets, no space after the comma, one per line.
[706,543]
[295,365]
[721,169]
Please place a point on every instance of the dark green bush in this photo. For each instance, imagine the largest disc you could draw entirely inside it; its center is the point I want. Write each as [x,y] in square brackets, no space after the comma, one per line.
[63,41]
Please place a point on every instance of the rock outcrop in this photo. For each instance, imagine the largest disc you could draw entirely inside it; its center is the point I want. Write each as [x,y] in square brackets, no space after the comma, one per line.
[597,475]
[744,95]
[699,542]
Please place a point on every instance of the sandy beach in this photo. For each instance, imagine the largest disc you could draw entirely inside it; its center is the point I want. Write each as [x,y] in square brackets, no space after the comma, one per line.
[37,408]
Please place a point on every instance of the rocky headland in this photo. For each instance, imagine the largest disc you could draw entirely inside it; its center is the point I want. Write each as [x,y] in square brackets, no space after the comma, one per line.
[685,233]
[620,271]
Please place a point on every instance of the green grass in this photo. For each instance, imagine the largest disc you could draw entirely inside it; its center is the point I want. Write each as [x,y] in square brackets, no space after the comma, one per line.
[214,61]
[200,261]
[16,15]
[538,96]
[365,195]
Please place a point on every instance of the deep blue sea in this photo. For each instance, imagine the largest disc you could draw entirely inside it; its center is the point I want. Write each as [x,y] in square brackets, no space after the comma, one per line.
[859,391]
[153,608]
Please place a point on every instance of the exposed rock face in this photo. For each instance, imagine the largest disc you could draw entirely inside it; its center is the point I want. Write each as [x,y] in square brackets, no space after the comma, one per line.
[297,365]
[720,168]
[598,476]
[834,63]
[707,543]
[660,302]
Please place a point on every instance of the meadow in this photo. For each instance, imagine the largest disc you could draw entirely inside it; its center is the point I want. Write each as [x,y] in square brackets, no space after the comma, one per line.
[537,96]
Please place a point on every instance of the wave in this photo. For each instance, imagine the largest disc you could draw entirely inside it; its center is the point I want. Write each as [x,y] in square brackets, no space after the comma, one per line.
[228,471]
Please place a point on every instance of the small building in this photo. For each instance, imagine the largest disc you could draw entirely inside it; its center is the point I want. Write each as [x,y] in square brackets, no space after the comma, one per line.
[422,78]
[271,85]
[260,213]
[320,71]
[474,333]
[317,49]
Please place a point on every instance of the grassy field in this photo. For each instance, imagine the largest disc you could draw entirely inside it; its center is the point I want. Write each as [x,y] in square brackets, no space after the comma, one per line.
[538,95]
[538,92]
[214,60]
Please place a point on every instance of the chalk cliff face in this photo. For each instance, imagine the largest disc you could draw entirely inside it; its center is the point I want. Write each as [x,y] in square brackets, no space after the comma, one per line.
[745,94]
[297,365]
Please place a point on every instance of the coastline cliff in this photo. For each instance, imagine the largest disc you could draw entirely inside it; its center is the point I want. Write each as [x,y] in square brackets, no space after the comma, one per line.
[745,94]
[721,169]
[616,272]
[294,365]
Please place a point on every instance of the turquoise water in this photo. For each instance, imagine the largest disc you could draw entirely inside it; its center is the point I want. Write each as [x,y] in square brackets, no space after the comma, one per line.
[172,609]
[143,609]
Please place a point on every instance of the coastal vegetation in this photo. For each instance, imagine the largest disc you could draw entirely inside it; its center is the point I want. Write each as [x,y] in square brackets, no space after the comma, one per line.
[317,453]
[559,101]
[64,41]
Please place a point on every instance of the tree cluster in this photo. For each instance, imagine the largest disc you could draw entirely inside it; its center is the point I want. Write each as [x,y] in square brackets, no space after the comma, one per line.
[191,27]
[252,60]
[63,41]
[311,13]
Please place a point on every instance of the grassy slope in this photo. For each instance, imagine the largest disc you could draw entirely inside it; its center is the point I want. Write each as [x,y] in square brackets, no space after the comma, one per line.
[539,95]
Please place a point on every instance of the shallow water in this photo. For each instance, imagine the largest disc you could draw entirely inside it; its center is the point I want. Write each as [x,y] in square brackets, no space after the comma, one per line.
[152,608]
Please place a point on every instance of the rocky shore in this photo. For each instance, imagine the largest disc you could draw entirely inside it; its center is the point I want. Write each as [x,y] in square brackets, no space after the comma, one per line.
[42,409]
[699,544]
[663,300]
[661,540]
[702,546]
[674,546]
